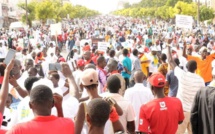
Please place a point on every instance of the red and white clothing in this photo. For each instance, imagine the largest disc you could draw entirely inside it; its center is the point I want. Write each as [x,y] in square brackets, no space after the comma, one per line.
[161,116]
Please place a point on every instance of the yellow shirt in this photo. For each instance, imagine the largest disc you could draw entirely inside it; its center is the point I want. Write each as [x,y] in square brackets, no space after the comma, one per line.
[144,65]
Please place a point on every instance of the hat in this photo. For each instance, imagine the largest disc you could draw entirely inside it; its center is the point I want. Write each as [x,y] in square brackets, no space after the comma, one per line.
[80,63]
[140,50]
[61,59]
[157,80]
[202,49]
[19,48]
[89,77]
[75,48]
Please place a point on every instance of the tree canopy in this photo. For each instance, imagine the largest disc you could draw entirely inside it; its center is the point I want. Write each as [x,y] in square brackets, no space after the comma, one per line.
[53,9]
[166,10]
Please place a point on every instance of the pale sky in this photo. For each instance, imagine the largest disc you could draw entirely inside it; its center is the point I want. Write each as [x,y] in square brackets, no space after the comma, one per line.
[103,6]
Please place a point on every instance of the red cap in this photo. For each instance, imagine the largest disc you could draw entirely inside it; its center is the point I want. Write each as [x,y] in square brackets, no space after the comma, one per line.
[157,80]
[80,63]
[18,48]
[61,59]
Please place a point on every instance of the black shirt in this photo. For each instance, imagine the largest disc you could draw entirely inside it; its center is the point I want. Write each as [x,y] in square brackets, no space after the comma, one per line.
[202,116]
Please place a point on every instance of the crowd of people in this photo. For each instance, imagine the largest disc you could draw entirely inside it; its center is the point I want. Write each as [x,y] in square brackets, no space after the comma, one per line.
[153,78]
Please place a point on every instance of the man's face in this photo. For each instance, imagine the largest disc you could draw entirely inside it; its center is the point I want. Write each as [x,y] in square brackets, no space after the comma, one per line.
[29,64]
[204,54]
[31,72]
[189,51]
[16,68]
[53,80]
[8,101]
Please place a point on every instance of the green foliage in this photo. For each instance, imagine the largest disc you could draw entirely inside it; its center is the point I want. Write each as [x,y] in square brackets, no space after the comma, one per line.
[53,9]
[184,7]
[206,13]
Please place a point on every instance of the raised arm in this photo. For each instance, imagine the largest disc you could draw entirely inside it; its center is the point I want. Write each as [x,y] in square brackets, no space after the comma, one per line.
[72,84]
[184,50]
[5,86]
[169,57]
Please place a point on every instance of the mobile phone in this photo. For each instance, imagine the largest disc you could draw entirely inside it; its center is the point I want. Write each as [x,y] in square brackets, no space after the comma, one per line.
[55,66]
[10,55]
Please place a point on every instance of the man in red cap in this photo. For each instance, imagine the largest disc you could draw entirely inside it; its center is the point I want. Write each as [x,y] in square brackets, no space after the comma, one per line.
[78,73]
[163,114]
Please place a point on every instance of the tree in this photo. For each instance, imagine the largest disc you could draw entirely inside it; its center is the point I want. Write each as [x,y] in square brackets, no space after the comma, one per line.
[186,8]
[30,10]
[45,10]
[206,13]
[173,2]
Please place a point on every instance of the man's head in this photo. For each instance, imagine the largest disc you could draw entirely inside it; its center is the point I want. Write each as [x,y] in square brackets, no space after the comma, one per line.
[89,79]
[189,50]
[203,52]
[87,55]
[112,53]
[139,76]
[157,82]
[81,64]
[54,77]
[101,62]
[191,66]
[125,52]
[32,71]
[16,68]
[98,112]
[29,63]
[41,100]
[112,65]
[113,84]
[135,52]
[163,57]
[88,66]
[29,83]
[9,100]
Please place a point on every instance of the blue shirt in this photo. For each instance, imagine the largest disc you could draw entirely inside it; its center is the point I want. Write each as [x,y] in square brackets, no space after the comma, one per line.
[126,63]
[173,83]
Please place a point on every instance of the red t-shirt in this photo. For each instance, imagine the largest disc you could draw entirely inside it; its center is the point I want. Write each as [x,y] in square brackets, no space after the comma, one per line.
[44,125]
[161,116]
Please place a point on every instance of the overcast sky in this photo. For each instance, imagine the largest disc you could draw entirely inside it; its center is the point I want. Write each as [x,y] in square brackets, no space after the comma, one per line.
[103,6]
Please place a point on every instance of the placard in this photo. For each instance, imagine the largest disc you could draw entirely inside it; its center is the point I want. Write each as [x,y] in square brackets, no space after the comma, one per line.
[56,29]
[102,46]
[184,21]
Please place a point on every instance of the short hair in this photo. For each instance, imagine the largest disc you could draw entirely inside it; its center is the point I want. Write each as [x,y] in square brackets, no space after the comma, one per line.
[139,76]
[163,57]
[90,66]
[113,84]
[98,111]
[41,95]
[100,59]
[29,82]
[191,65]
[55,75]
[34,69]
[125,51]
[112,53]
[176,61]
[135,52]
[18,62]
[113,63]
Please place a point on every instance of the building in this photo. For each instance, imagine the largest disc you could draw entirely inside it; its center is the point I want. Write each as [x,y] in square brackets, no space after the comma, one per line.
[209,3]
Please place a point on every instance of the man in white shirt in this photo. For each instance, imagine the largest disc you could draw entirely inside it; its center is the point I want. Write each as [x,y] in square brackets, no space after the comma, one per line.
[188,85]
[138,95]
[127,119]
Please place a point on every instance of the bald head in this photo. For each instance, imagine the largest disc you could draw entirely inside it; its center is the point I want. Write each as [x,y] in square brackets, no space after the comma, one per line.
[87,55]
[112,65]
[90,66]
[139,76]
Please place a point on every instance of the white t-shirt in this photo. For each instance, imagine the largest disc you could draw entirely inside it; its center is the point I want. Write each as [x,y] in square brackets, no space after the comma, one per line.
[138,95]
[127,108]
[188,85]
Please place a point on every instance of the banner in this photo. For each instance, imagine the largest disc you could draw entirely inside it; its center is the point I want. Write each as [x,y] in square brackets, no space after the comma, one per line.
[184,21]
[102,46]
[56,29]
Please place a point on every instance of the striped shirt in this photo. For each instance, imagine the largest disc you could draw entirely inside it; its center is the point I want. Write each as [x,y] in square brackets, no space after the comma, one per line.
[188,85]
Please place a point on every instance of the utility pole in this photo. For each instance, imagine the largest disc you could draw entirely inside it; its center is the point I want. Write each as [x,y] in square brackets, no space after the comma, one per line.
[26,7]
[198,14]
